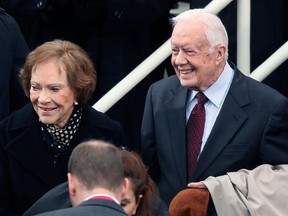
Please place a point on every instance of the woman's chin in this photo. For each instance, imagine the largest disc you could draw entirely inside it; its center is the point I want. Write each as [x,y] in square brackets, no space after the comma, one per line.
[46,120]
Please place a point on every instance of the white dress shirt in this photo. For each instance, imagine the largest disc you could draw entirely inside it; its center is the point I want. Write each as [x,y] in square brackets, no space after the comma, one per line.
[216,94]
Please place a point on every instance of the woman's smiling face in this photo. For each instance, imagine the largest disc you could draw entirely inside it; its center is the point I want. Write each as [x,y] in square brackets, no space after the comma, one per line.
[50,94]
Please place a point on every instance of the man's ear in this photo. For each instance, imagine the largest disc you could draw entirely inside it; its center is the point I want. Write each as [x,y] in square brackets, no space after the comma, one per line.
[71,184]
[126,183]
[220,53]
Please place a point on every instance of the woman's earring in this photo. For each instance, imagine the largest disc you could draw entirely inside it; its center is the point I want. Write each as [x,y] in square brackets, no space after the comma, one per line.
[75,103]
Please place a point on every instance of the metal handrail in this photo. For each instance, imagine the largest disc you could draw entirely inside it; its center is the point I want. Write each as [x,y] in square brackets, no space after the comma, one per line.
[271,63]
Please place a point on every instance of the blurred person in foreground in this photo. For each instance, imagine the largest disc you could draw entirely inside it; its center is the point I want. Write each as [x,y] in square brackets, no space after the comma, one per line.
[96,181]
[13,50]
[245,121]
[37,140]
[261,191]
[141,197]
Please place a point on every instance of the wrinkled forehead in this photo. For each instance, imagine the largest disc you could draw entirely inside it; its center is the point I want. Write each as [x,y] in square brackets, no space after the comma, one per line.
[185,33]
[191,27]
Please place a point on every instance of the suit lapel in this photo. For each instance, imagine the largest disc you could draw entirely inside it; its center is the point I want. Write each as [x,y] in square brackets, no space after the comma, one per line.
[176,109]
[228,122]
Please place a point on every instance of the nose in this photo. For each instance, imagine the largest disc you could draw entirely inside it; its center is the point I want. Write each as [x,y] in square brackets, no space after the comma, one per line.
[180,58]
[44,97]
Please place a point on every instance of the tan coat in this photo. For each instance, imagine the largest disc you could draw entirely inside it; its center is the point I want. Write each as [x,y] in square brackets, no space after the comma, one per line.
[259,192]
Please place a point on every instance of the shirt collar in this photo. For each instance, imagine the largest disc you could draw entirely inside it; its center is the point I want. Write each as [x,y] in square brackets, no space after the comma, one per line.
[94,196]
[216,92]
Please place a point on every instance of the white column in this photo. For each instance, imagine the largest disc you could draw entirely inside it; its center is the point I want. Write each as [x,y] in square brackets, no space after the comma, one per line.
[243,35]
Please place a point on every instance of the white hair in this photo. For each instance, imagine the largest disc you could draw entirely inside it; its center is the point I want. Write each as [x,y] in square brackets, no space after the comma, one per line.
[215,30]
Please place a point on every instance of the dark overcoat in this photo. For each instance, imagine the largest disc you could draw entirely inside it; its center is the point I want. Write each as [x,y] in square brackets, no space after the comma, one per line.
[27,170]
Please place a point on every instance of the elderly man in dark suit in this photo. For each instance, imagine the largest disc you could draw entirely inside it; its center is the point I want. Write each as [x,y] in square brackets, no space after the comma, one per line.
[246,122]
[96,181]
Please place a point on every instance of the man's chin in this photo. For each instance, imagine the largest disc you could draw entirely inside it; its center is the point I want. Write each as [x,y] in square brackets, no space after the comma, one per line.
[187,83]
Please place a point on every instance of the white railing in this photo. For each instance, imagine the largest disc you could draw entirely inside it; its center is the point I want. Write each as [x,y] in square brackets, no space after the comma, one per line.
[164,51]
[133,78]
[243,35]
[274,61]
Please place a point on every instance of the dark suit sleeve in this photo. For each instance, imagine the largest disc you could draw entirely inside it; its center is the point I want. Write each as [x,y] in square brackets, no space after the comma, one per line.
[148,142]
[274,147]
[159,207]
[56,198]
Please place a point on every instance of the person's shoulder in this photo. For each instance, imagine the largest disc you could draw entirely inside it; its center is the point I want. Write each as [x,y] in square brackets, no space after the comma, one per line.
[256,89]
[166,87]
[159,207]
[19,118]
[260,89]
[97,118]
[60,212]
[95,114]
[4,16]
[8,23]
[56,198]
[101,207]
[167,81]
[89,208]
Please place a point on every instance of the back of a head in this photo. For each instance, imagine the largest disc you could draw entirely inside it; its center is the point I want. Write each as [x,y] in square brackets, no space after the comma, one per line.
[216,32]
[97,164]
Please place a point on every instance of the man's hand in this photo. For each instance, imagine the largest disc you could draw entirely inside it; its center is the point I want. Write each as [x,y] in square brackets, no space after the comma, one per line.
[200,185]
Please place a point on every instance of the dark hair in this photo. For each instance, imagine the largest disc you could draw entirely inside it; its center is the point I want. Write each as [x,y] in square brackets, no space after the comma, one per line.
[81,74]
[96,163]
[142,184]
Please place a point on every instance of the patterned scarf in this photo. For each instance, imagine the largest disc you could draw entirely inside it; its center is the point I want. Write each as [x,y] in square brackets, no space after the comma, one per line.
[59,139]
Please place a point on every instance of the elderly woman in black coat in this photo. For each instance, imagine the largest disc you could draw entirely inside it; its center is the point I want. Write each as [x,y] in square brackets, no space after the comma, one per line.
[37,140]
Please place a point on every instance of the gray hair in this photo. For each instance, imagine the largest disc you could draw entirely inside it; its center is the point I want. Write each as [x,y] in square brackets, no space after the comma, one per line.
[97,163]
[215,30]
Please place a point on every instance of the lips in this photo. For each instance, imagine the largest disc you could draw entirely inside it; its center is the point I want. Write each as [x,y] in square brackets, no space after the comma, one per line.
[185,71]
[46,109]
